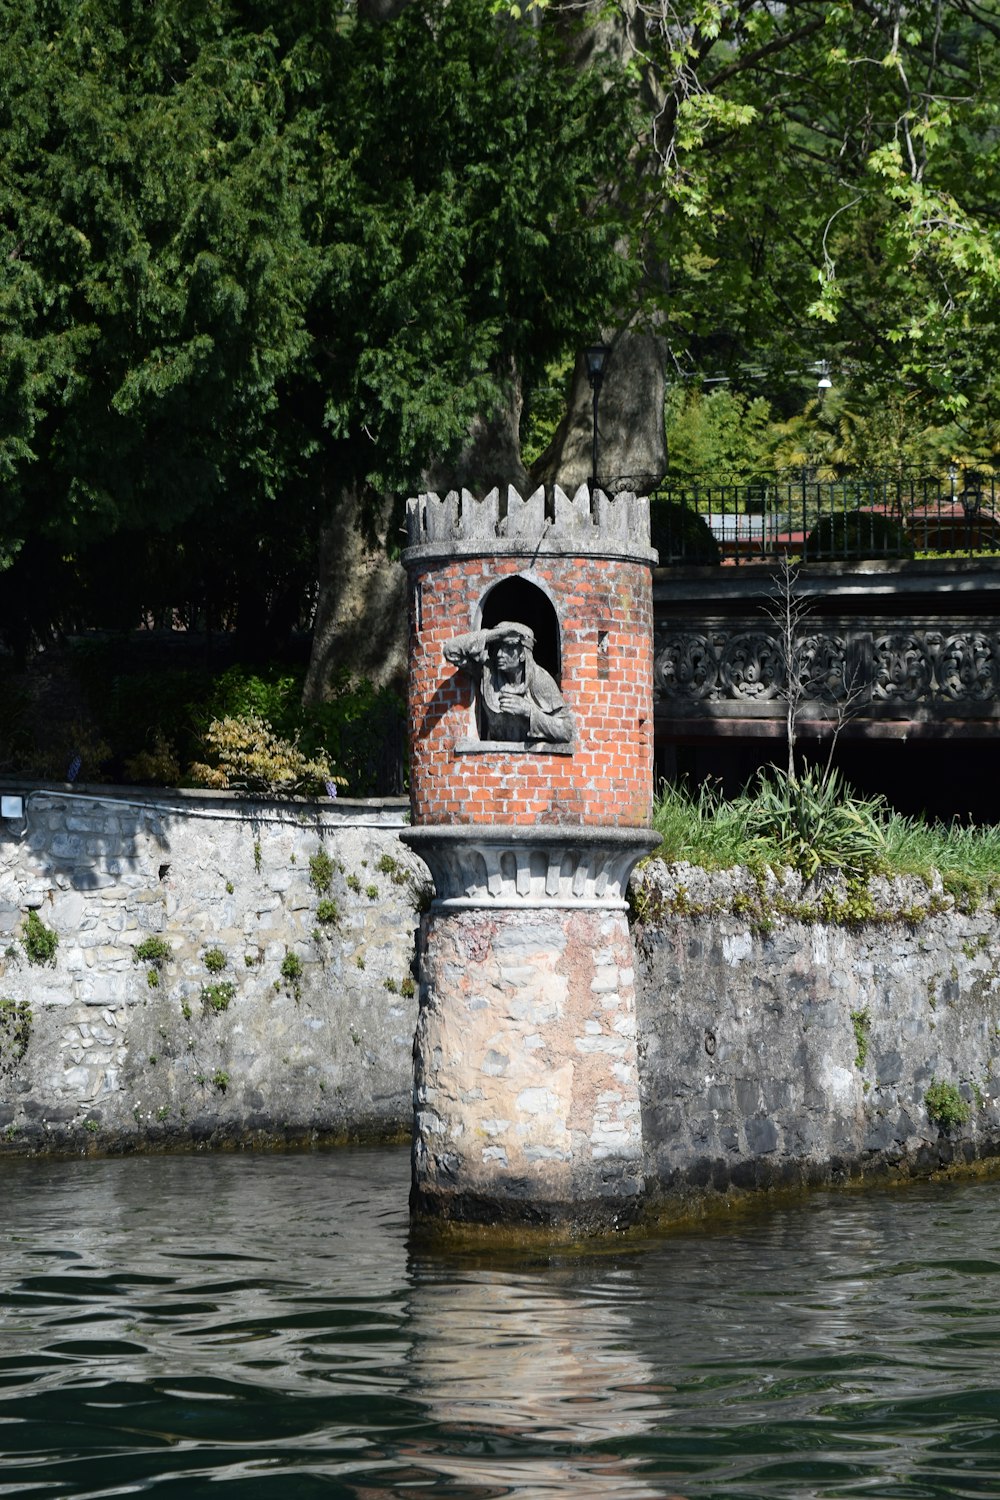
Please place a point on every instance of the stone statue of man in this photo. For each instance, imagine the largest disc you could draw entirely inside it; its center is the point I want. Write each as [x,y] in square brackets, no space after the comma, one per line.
[520,702]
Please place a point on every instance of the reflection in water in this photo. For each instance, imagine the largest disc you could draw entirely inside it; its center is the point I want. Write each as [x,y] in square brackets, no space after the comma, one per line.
[528,1358]
[170,1324]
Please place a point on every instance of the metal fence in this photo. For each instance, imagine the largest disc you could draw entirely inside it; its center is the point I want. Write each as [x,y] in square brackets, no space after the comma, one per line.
[845,519]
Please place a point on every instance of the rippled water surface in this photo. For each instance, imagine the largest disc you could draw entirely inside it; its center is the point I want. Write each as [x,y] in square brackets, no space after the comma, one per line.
[180,1325]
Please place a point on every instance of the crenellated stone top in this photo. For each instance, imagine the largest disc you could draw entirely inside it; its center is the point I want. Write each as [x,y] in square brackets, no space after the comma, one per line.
[546,522]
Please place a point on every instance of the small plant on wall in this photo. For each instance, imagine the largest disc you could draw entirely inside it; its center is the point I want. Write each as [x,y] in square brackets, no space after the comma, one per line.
[15,1032]
[40,942]
[217,996]
[320,872]
[945,1105]
[153,951]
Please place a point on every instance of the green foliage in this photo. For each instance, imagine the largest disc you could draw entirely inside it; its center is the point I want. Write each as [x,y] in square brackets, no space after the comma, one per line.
[702,828]
[945,1105]
[152,950]
[156,766]
[813,821]
[39,942]
[320,872]
[291,968]
[726,435]
[857,534]
[16,1020]
[214,960]
[966,890]
[856,223]
[248,757]
[679,534]
[255,257]
[218,996]
[327,911]
[220,1080]
[967,855]
[861,1021]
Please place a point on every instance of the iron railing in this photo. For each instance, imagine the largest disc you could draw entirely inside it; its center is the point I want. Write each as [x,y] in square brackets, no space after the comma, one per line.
[846,519]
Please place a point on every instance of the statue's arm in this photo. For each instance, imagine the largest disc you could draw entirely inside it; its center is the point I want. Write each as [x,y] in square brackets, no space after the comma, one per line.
[548,717]
[554,725]
[468,652]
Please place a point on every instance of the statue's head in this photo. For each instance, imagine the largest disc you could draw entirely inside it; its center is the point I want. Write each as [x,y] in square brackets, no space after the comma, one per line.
[510,646]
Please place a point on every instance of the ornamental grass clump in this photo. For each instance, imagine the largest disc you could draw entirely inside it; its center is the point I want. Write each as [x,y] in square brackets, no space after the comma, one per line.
[813,822]
[248,757]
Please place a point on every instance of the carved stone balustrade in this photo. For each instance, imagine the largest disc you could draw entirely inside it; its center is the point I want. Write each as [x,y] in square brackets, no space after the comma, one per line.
[891,650]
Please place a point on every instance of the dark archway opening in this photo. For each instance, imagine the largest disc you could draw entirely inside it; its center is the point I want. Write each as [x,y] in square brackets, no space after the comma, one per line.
[523,602]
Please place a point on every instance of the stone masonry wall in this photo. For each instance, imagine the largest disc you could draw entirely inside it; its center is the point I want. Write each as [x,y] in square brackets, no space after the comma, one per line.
[605,611]
[777,1051]
[801,1054]
[303,1027]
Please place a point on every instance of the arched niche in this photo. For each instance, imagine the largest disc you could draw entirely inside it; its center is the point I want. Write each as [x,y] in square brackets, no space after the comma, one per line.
[522,601]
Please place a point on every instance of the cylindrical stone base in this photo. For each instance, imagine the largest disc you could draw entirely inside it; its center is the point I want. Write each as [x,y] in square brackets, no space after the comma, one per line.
[526,1077]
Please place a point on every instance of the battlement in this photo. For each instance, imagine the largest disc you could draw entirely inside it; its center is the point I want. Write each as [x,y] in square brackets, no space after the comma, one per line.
[546,523]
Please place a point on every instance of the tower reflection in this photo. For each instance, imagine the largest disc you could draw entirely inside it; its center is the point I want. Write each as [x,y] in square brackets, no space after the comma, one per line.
[535,1388]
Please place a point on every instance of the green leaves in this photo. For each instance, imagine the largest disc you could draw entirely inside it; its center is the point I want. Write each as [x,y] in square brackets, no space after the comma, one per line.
[250,255]
[813,822]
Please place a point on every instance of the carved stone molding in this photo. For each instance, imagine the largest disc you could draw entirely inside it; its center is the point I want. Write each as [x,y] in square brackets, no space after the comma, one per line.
[489,866]
[907,668]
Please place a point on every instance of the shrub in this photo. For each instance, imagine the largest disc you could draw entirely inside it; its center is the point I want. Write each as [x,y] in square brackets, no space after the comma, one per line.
[156,765]
[291,967]
[327,911]
[856,534]
[679,534]
[320,872]
[358,728]
[214,960]
[15,1031]
[250,758]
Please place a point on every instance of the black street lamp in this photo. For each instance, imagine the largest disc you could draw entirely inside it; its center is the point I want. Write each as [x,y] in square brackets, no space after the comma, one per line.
[595,356]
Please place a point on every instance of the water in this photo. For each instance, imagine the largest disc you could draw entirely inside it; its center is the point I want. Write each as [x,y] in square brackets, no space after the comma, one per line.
[258,1326]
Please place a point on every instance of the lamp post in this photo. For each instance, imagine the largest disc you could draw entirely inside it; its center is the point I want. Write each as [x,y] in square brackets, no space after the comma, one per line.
[596,356]
[824,383]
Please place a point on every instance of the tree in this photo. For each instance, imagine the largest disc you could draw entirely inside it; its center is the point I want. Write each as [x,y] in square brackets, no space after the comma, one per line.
[818,181]
[262,261]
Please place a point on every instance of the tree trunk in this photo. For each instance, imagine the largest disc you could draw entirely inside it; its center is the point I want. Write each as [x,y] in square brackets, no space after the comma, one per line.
[360,625]
[631,446]
[361,615]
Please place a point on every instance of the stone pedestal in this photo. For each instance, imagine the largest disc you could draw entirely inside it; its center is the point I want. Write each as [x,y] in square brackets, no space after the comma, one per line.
[526,1076]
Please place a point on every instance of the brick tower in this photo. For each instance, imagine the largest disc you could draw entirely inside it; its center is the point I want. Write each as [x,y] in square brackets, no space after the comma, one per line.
[531,788]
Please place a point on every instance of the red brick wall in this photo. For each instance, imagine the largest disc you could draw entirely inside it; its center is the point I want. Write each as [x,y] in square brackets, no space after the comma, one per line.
[608,779]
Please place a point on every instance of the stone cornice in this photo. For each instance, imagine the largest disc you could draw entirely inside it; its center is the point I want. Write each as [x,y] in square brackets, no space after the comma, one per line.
[485,866]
